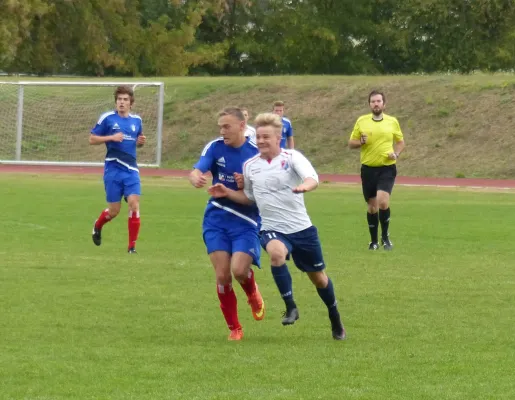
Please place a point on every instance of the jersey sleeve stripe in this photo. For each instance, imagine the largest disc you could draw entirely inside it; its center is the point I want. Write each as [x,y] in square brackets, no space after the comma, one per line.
[251,160]
[104,116]
[206,148]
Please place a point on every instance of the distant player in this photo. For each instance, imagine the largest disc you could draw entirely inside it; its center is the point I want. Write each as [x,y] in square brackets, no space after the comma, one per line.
[287,129]
[121,132]
[276,180]
[250,132]
[380,139]
[230,230]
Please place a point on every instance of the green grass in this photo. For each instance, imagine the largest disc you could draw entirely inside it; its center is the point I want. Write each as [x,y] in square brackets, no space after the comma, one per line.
[431,320]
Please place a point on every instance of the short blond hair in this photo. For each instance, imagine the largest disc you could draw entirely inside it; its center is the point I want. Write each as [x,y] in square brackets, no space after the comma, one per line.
[278,103]
[268,119]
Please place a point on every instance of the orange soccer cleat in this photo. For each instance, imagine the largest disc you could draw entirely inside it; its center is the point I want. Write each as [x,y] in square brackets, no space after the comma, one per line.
[236,334]
[257,305]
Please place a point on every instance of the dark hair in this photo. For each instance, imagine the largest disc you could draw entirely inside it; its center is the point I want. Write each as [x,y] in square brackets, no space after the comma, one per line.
[375,93]
[234,111]
[124,90]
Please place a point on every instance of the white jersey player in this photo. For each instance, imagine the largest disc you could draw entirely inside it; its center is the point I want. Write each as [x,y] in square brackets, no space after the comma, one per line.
[276,180]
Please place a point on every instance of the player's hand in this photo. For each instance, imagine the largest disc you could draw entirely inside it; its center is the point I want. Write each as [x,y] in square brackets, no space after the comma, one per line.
[198,180]
[218,190]
[239,180]
[363,138]
[141,140]
[392,156]
[302,188]
[117,137]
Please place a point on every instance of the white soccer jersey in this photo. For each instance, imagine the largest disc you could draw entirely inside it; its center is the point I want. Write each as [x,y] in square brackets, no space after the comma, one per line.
[250,132]
[270,185]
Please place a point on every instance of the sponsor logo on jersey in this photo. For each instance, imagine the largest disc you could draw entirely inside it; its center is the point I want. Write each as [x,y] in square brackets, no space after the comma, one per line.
[133,127]
[220,162]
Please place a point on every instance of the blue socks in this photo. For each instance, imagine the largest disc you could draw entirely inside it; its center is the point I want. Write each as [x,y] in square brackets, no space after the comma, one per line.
[327,295]
[283,281]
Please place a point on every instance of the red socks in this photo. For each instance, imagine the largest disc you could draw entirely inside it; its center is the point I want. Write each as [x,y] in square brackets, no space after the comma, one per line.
[229,305]
[134,224]
[249,286]
[103,219]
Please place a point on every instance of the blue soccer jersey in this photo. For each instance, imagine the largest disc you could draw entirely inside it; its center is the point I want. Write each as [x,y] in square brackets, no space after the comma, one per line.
[223,161]
[287,132]
[123,153]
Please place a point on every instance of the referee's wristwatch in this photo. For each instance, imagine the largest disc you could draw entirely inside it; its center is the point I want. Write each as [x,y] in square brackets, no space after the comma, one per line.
[397,155]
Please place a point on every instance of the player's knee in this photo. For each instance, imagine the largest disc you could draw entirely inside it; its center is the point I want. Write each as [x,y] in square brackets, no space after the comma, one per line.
[223,277]
[134,206]
[372,208]
[277,257]
[319,279]
[240,273]
[114,211]
[384,204]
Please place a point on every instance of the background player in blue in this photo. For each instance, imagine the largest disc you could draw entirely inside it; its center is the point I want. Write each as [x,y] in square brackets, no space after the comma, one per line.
[287,132]
[121,132]
[230,230]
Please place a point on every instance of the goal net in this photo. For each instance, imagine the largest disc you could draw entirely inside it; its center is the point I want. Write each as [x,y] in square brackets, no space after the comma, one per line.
[49,122]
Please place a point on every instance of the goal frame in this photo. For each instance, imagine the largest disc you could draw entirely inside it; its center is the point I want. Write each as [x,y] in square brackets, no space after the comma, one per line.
[19,119]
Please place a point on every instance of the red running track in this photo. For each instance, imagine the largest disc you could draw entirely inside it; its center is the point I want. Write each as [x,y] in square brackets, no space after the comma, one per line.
[401,180]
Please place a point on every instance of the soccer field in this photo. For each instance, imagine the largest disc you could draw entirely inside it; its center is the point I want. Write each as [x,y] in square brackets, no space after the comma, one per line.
[431,320]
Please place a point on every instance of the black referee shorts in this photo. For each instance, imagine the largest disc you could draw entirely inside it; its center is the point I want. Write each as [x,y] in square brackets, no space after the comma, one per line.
[377,178]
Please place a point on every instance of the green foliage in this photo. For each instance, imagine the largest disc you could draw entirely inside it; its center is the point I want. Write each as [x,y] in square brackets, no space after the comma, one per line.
[173,37]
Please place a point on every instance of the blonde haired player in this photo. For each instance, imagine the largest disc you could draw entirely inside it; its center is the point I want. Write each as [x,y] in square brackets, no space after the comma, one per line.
[275,181]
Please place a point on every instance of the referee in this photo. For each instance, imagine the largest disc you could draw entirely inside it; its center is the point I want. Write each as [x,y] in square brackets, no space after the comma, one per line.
[381,142]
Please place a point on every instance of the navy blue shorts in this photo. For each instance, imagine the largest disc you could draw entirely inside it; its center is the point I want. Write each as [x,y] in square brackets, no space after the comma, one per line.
[304,247]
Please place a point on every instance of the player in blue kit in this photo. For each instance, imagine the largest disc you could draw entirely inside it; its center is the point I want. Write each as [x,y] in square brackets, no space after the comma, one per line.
[121,132]
[287,141]
[230,230]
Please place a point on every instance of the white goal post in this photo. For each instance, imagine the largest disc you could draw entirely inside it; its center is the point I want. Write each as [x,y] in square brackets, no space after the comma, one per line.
[48,122]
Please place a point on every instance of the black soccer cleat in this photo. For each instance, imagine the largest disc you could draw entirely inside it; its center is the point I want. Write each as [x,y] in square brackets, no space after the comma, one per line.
[387,244]
[290,316]
[97,235]
[132,250]
[337,329]
[373,246]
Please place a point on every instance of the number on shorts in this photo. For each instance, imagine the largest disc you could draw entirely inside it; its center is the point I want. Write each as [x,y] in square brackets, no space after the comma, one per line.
[272,235]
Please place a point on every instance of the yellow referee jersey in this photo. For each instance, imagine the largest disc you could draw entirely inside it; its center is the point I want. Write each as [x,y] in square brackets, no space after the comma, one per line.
[380,137]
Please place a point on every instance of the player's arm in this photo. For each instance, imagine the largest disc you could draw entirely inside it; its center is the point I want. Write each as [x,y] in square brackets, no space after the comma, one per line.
[100,134]
[141,139]
[238,196]
[290,142]
[398,146]
[96,139]
[307,173]
[197,177]
[357,139]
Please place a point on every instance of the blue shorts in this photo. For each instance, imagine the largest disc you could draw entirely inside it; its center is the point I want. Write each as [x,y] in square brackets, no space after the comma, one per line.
[120,182]
[232,239]
[304,247]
